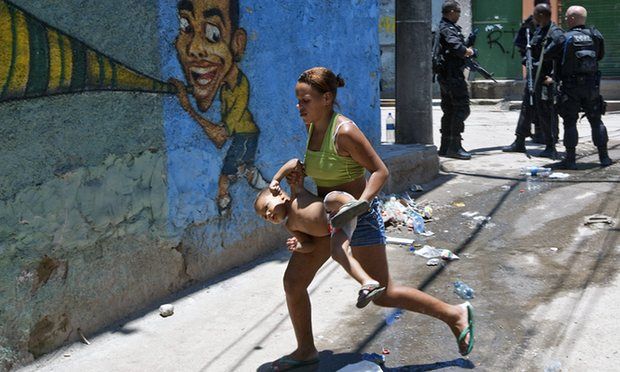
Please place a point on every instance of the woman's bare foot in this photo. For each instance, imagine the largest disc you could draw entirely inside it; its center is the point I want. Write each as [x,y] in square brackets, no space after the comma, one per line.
[460,325]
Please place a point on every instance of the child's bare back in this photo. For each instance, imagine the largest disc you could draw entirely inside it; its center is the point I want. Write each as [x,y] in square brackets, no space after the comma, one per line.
[307,215]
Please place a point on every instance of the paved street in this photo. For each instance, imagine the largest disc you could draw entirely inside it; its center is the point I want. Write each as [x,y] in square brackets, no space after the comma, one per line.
[547,286]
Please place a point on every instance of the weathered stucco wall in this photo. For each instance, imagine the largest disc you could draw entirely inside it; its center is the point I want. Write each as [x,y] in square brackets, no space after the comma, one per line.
[112,192]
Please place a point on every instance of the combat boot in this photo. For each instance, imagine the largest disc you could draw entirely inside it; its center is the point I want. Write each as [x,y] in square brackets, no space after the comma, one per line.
[443,148]
[603,156]
[569,161]
[538,136]
[549,152]
[517,146]
[455,150]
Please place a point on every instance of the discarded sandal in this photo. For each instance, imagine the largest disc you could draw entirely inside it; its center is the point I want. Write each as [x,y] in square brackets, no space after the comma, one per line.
[468,330]
[367,293]
[286,363]
[349,211]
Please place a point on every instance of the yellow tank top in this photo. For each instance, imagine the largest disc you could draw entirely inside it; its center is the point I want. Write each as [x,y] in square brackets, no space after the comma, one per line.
[325,166]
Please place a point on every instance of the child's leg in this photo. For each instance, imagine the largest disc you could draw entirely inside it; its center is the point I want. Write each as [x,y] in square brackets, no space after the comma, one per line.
[334,200]
[340,253]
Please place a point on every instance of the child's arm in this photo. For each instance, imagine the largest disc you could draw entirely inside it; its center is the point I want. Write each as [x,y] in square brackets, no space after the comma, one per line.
[301,242]
[284,171]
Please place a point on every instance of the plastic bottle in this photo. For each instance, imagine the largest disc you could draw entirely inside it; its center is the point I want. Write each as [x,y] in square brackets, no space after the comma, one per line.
[534,175]
[418,222]
[390,128]
[536,171]
[463,290]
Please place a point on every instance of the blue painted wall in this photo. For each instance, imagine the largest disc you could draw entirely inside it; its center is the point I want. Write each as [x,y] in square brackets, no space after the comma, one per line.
[283,39]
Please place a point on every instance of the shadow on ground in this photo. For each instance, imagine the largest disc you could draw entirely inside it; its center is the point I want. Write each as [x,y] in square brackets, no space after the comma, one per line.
[331,361]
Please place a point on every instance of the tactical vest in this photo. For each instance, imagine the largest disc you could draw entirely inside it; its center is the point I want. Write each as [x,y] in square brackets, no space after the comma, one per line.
[580,53]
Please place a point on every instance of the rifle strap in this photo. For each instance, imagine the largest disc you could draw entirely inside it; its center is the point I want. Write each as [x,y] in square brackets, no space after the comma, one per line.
[542,56]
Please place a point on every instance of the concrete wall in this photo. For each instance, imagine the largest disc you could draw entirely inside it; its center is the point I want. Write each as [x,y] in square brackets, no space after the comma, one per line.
[110,188]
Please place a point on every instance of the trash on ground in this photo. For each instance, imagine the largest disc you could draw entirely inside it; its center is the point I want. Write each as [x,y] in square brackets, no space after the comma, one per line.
[536,171]
[363,366]
[554,366]
[427,233]
[385,351]
[469,214]
[393,316]
[553,249]
[66,355]
[559,175]
[598,220]
[433,262]
[416,188]
[505,187]
[431,252]
[482,218]
[394,240]
[458,204]
[463,290]
[84,339]
[166,310]
[428,212]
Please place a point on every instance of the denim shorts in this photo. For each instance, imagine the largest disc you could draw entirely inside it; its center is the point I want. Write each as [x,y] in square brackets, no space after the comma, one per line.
[241,152]
[370,229]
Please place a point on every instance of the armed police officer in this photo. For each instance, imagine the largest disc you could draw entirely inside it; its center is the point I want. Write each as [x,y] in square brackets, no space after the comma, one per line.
[453,50]
[577,53]
[527,116]
[543,108]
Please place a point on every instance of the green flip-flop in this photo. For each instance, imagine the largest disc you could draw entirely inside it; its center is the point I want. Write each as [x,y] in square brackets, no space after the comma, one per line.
[468,330]
[286,363]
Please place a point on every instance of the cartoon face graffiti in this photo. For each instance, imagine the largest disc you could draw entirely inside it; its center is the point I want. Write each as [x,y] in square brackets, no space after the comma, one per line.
[209,44]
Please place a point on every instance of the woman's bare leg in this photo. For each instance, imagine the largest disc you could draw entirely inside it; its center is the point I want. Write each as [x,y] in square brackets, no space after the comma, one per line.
[374,261]
[300,272]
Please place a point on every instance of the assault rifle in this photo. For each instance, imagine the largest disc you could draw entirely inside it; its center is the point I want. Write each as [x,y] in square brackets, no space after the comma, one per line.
[474,66]
[528,66]
[471,62]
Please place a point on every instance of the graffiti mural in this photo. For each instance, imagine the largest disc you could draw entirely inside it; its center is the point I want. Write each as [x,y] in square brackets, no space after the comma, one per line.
[210,45]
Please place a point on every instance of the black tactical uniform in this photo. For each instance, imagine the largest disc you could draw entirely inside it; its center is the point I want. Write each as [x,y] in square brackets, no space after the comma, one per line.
[454,95]
[577,53]
[544,95]
[527,116]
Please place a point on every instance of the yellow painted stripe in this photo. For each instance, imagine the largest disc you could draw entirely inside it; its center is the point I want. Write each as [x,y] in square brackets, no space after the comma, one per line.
[6,44]
[92,68]
[19,79]
[130,80]
[55,67]
[67,61]
[107,69]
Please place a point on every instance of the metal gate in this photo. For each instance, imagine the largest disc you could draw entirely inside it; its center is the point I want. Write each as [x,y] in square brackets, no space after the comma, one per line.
[498,22]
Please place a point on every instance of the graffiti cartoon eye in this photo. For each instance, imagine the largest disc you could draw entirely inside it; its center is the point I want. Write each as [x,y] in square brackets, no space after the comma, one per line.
[184,25]
[212,33]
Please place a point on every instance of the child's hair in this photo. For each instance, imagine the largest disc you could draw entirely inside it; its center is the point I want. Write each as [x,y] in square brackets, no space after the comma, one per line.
[322,79]
[261,194]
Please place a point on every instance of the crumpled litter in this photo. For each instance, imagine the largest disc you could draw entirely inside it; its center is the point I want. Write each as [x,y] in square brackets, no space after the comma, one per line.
[431,252]
[559,175]
[394,240]
[363,366]
[403,210]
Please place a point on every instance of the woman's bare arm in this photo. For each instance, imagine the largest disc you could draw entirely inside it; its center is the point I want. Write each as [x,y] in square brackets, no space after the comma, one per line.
[352,142]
